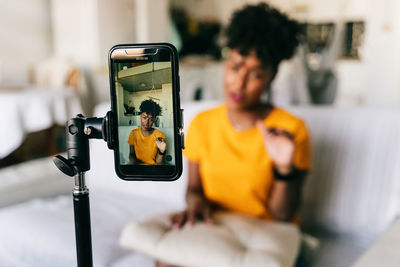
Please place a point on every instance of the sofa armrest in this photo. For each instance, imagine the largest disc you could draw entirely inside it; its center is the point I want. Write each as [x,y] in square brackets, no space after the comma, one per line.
[32,179]
[384,251]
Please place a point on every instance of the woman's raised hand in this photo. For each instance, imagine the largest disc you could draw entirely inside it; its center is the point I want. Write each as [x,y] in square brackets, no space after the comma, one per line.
[280,147]
[161,144]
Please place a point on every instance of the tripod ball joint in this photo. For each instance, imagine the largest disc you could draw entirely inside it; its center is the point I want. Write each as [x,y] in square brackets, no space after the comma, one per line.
[78,132]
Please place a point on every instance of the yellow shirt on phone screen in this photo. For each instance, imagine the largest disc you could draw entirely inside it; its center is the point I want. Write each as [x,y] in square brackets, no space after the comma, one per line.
[145,146]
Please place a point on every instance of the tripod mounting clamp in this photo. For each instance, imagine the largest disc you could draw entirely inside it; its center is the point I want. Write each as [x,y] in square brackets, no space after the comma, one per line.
[78,132]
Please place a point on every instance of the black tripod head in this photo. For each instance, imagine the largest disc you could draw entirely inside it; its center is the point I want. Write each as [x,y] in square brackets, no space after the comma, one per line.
[78,132]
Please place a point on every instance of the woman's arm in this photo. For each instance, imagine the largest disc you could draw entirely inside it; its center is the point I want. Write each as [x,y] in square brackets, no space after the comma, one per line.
[197,205]
[285,197]
[194,183]
[159,158]
[132,154]
[161,149]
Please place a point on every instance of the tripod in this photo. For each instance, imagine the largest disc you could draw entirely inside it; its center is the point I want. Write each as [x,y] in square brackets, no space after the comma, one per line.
[78,132]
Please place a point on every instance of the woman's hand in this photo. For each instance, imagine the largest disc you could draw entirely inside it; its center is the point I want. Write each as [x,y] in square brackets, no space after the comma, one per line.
[280,147]
[161,144]
[198,208]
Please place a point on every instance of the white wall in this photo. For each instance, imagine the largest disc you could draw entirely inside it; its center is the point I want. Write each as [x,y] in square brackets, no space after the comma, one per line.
[116,25]
[152,20]
[25,38]
[76,31]
[85,30]
[382,57]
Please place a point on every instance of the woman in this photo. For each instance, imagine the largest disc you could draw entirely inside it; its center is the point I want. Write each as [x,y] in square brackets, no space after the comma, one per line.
[248,156]
[147,144]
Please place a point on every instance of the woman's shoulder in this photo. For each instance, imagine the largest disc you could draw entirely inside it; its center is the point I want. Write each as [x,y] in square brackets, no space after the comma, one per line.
[158,132]
[135,130]
[133,135]
[285,119]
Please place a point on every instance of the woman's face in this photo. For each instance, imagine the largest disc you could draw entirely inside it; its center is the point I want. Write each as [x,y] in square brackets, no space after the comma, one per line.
[146,121]
[245,79]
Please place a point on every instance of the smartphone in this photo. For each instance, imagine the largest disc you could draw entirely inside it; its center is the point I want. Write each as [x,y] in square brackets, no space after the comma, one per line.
[145,103]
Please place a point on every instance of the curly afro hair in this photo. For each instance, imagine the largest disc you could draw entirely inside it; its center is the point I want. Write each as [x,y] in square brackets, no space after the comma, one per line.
[150,107]
[272,35]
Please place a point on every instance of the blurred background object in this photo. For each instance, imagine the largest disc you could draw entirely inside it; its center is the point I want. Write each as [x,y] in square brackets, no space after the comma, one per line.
[347,56]
[53,65]
[341,54]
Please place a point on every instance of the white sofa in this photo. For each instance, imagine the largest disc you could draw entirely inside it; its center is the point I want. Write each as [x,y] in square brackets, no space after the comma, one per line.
[350,198]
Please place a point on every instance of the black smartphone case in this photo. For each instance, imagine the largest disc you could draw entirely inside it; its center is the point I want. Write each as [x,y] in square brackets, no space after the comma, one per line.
[150,174]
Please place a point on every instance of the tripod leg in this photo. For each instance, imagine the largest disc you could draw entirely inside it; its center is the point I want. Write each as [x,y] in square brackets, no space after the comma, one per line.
[82,229]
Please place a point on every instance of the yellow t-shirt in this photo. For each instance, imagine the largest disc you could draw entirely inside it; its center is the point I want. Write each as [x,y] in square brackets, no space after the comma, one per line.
[145,146]
[235,168]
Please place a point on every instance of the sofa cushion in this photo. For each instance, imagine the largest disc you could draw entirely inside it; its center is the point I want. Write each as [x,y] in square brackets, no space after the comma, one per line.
[353,186]
[233,240]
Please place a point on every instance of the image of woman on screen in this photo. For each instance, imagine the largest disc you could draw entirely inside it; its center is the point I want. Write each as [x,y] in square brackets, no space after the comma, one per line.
[147,144]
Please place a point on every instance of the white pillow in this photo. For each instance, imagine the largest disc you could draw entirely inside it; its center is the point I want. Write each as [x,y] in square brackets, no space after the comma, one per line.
[233,240]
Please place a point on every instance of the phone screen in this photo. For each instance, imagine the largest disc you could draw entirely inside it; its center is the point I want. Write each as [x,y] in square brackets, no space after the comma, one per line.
[146,103]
